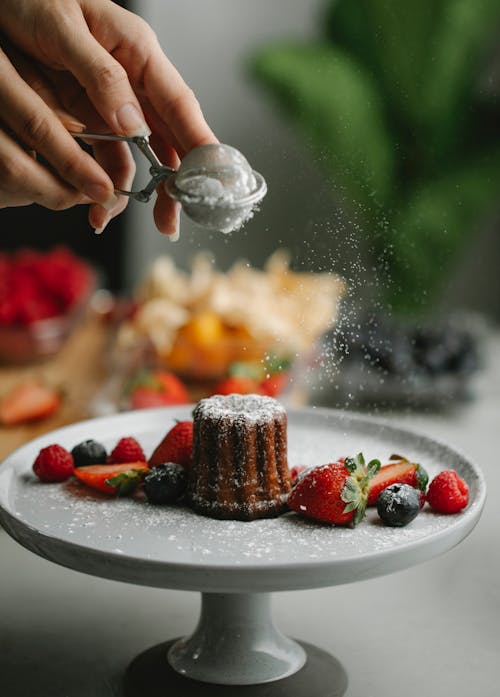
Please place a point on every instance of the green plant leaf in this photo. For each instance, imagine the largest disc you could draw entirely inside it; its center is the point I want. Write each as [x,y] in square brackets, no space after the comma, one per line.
[462,37]
[433,226]
[426,56]
[391,39]
[336,106]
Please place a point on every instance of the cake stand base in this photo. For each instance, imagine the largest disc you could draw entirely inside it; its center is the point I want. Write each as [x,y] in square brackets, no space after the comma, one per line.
[150,675]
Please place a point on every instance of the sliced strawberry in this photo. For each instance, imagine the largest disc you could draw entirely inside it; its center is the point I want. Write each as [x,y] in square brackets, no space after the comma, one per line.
[400,472]
[116,480]
[27,401]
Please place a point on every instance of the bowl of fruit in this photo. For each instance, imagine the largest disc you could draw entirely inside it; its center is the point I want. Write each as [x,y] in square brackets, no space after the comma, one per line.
[245,328]
[43,296]
[417,364]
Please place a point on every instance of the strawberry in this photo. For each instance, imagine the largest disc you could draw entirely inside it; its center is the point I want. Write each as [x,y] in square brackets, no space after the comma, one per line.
[296,471]
[53,464]
[402,471]
[156,388]
[448,493]
[119,479]
[127,450]
[176,446]
[28,400]
[335,493]
[267,377]
[274,384]
[238,384]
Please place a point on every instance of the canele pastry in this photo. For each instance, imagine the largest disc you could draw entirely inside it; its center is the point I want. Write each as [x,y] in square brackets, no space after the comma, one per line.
[239,467]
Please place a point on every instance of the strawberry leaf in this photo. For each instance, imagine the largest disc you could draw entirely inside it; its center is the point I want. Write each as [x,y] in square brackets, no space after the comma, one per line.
[125,483]
[143,378]
[422,478]
[399,458]
[372,468]
[360,513]
[355,464]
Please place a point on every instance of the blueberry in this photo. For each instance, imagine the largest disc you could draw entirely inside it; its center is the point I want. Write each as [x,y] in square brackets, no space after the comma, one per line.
[89,452]
[165,483]
[398,505]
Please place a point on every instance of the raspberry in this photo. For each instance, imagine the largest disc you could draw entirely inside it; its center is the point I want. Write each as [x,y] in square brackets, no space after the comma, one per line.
[53,464]
[127,450]
[448,493]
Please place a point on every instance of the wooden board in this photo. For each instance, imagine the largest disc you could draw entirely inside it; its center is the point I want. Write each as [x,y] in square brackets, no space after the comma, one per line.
[79,369]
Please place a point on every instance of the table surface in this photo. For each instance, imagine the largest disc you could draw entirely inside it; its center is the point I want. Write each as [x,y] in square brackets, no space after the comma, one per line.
[431,629]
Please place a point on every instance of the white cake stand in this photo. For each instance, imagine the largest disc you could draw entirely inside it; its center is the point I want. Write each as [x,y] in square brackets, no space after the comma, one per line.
[235,565]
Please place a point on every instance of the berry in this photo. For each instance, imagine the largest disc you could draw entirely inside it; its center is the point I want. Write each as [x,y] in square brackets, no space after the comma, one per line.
[274,384]
[176,446]
[296,472]
[334,493]
[89,452]
[448,493]
[165,483]
[29,400]
[116,480]
[156,388]
[53,464]
[127,450]
[400,472]
[41,284]
[398,505]
[238,384]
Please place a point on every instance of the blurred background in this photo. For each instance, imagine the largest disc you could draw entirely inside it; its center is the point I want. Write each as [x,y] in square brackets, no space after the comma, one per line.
[376,124]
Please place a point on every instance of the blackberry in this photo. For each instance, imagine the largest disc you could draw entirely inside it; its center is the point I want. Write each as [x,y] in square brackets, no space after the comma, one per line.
[398,505]
[89,452]
[165,483]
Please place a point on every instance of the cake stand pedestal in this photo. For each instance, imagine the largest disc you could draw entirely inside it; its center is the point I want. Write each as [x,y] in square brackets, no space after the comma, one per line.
[236,648]
[235,643]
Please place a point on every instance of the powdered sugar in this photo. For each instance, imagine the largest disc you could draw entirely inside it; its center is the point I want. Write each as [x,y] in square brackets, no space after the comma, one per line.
[250,407]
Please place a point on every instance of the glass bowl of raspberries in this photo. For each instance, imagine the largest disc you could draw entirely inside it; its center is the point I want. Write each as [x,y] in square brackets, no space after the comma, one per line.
[43,297]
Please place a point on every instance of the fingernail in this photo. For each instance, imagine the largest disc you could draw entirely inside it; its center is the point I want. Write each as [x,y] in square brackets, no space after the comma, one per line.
[100,230]
[74,126]
[174,232]
[131,121]
[101,195]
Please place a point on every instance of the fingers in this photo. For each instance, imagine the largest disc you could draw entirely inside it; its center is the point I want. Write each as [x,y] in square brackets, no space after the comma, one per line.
[38,82]
[153,77]
[175,103]
[117,160]
[35,124]
[103,78]
[24,181]
[167,211]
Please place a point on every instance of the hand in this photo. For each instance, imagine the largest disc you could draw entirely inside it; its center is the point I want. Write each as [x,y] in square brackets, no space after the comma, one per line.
[92,62]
